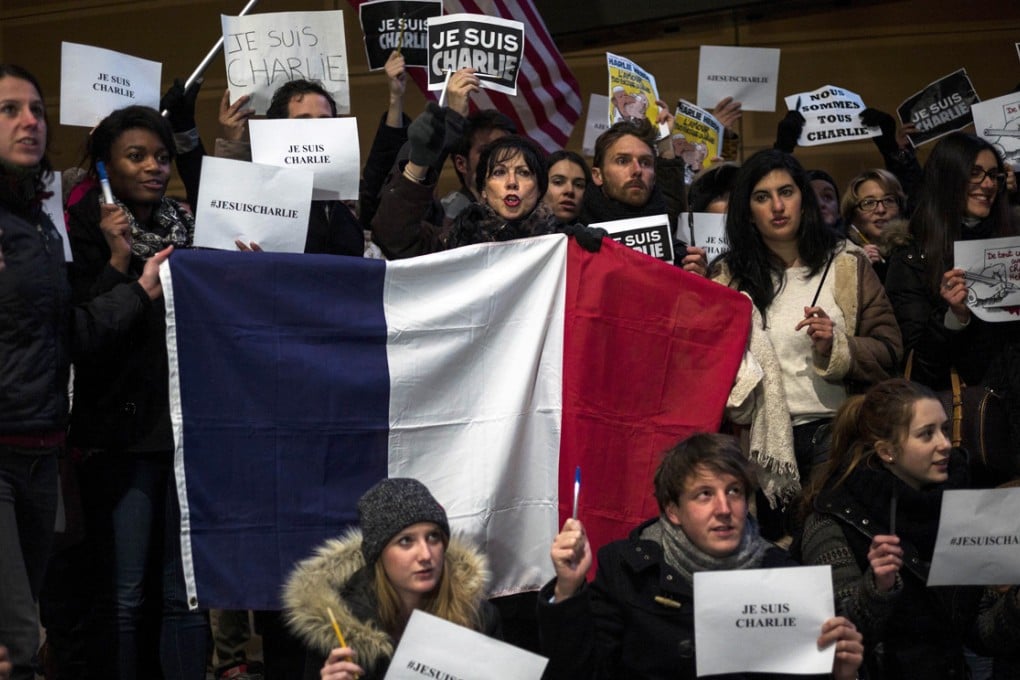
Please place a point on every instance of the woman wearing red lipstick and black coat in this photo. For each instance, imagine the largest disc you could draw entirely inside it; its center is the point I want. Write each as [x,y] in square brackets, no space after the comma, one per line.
[962,197]
[511,179]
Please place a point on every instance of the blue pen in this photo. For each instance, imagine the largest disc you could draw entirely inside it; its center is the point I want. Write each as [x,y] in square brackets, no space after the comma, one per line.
[577,489]
[104,182]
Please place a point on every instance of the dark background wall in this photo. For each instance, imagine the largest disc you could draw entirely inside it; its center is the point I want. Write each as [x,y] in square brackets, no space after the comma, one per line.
[883,50]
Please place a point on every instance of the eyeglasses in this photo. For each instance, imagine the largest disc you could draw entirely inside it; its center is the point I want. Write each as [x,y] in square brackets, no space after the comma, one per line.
[871,204]
[978,175]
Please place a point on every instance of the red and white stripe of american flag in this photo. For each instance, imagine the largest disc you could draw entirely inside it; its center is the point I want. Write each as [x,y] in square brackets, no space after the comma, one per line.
[548,101]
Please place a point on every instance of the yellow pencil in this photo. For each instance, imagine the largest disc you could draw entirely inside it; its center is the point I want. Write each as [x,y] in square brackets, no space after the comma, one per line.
[336,629]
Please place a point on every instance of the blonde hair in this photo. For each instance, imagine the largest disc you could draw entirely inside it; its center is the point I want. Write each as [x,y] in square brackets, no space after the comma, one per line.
[441,602]
[883,178]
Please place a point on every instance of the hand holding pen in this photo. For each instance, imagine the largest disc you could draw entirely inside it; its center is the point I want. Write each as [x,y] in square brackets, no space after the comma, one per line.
[339,664]
[114,223]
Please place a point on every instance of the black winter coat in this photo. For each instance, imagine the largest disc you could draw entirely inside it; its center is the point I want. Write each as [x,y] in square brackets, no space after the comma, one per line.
[121,394]
[915,631]
[40,331]
[635,620]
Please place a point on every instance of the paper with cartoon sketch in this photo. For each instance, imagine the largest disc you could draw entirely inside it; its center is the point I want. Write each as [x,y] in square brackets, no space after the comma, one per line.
[992,269]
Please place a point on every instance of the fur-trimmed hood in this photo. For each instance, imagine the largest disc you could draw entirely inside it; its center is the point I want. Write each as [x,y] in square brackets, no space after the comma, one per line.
[895,234]
[336,577]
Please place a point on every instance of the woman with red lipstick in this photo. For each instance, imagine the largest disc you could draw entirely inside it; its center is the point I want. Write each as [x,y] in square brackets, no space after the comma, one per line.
[510,179]
[873,516]
[822,326]
[399,559]
[121,412]
[961,198]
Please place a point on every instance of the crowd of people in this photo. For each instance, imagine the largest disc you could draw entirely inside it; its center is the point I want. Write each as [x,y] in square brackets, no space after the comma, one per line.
[822,432]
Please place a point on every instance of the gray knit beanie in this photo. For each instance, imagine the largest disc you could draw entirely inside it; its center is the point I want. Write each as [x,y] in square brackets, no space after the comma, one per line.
[390,506]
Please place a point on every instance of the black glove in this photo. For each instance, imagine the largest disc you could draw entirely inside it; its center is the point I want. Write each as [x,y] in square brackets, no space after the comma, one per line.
[180,105]
[426,135]
[788,132]
[589,238]
[874,118]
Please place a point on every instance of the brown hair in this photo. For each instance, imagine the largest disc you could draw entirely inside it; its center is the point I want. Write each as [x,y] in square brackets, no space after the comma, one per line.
[883,178]
[441,602]
[719,453]
[883,413]
[640,128]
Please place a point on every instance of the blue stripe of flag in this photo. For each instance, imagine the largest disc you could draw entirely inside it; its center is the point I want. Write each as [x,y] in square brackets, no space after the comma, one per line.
[306,382]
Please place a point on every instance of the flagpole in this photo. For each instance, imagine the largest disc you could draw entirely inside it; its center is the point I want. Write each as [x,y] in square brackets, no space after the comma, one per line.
[212,53]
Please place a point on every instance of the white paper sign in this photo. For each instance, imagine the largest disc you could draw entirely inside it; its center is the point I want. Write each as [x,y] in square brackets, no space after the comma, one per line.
[979,539]
[748,74]
[432,647]
[252,202]
[54,207]
[831,114]
[326,146]
[997,121]
[595,123]
[762,620]
[709,232]
[264,51]
[649,235]
[992,269]
[94,82]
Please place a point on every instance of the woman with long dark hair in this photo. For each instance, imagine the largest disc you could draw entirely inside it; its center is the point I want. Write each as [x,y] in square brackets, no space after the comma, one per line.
[873,515]
[822,326]
[400,558]
[39,333]
[962,198]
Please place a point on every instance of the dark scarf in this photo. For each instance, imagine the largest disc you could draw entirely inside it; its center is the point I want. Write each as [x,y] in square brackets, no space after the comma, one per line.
[687,558]
[598,207]
[480,224]
[169,225]
[918,510]
[20,189]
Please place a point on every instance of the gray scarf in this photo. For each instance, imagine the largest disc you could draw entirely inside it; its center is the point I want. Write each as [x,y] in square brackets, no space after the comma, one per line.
[681,554]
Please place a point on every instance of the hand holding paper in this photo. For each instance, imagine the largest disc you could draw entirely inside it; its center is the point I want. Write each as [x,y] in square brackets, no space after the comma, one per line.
[727,112]
[695,261]
[571,558]
[234,117]
[462,85]
[849,647]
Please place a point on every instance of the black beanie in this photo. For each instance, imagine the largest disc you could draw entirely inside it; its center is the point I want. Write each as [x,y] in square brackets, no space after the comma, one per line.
[392,505]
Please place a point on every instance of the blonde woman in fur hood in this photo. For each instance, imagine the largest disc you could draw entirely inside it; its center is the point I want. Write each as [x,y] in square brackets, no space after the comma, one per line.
[400,558]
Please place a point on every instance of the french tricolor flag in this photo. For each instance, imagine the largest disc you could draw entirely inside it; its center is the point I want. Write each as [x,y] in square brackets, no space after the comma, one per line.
[488,372]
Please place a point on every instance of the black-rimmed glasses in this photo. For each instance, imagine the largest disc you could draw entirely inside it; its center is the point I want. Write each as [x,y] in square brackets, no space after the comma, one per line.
[871,204]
